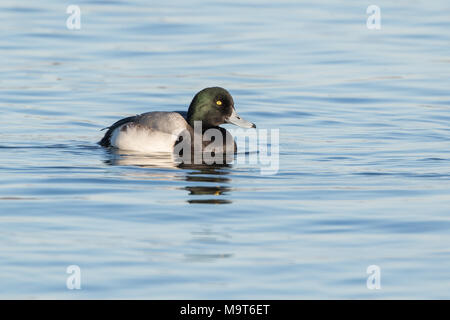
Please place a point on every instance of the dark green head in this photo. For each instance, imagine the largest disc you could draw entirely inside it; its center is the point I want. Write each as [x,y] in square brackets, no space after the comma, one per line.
[215,106]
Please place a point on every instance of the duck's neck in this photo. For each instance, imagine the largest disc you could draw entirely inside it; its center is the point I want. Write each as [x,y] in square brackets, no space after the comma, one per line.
[192,118]
[204,126]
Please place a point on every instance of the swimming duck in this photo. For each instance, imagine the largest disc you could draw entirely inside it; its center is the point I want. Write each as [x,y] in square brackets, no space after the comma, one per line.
[161,131]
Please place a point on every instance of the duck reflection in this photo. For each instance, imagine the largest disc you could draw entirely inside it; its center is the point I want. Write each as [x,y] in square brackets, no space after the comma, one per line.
[129,158]
[206,183]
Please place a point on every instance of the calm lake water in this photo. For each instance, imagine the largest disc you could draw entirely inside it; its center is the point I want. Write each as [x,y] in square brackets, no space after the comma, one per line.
[364,162]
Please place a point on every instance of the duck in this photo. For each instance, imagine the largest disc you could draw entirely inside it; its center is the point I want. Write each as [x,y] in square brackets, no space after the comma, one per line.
[160,131]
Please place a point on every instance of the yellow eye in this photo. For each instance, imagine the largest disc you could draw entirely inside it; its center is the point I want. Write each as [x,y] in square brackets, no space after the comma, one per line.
[219,103]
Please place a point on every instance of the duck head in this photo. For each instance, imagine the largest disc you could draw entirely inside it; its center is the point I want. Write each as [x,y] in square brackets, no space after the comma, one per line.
[215,106]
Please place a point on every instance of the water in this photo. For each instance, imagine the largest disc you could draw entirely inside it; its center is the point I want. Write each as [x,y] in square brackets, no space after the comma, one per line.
[364,172]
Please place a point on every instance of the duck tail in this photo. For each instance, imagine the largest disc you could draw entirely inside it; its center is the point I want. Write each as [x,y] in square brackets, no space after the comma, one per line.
[106,140]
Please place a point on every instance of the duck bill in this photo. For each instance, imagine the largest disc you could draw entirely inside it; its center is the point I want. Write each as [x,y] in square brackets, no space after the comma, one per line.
[235,119]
